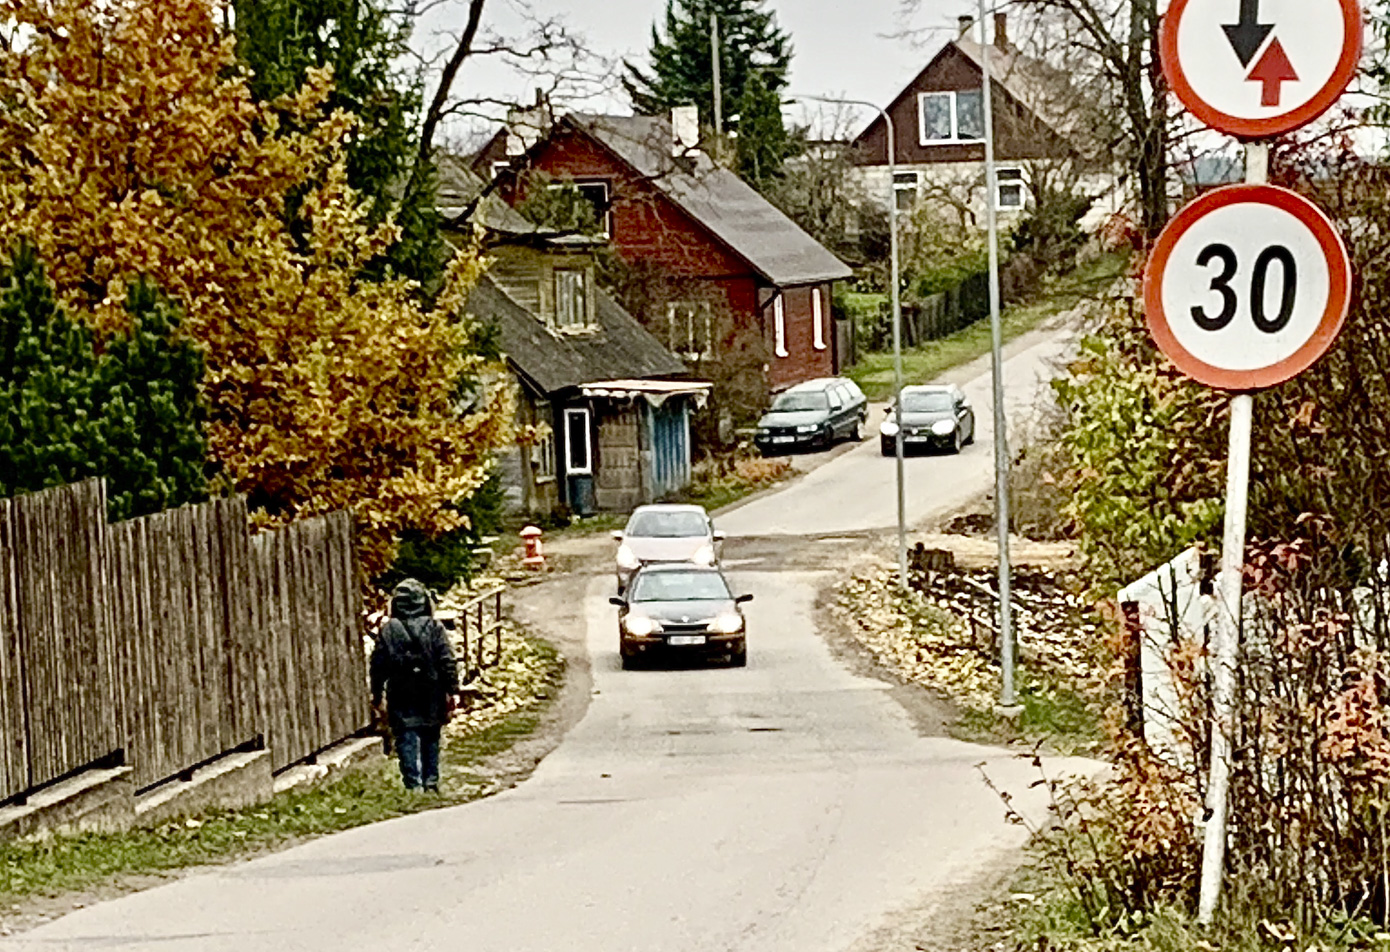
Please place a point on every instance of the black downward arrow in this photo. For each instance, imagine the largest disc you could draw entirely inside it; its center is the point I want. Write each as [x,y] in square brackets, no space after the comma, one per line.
[1249,34]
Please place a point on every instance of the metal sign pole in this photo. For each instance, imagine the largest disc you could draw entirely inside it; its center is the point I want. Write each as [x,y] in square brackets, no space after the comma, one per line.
[1008,698]
[1225,641]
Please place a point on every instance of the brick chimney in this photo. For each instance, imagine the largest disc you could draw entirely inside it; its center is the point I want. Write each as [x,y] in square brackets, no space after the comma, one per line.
[1001,31]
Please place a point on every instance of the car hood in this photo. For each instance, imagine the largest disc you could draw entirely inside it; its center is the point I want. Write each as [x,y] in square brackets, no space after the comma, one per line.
[680,549]
[794,418]
[922,419]
[684,613]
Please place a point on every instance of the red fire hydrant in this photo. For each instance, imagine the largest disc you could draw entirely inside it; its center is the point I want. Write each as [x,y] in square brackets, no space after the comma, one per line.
[535,556]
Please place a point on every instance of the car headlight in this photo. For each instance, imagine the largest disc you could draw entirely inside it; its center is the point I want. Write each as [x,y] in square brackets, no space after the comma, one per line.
[809,428]
[729,623]
[704,555]
[889,428]
[627,561]
[943,427]
[640,625]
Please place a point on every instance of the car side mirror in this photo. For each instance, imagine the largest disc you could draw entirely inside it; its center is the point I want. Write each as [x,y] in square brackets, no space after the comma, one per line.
[837,406]
[616,600]
[617,535]
[719,535]
[743,599]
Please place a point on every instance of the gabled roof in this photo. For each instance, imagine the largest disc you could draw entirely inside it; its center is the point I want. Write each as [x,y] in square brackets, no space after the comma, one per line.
[620,348]
[727,207]
[1037,87]
[459,188]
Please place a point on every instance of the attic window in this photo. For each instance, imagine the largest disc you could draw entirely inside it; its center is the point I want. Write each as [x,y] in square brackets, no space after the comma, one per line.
[692,335]
[596,194]
[956,116]
[1011,193]
[572,300]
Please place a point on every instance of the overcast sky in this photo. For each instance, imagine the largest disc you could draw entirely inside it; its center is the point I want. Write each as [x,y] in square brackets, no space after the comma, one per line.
[843,47]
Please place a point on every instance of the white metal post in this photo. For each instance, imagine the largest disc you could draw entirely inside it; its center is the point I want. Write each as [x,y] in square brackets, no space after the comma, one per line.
[1224,650]
[715,66]
[1008,697]
[894,280]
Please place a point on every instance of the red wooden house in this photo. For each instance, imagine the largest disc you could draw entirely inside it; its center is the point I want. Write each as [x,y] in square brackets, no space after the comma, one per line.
[666,204]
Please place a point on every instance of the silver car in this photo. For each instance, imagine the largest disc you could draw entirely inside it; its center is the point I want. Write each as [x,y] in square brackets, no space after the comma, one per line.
[666,533]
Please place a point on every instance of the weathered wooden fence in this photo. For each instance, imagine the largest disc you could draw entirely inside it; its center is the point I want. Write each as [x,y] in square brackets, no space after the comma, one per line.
[169,640]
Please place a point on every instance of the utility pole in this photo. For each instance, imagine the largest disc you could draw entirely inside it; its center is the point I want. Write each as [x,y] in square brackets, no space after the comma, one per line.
[1008,697]
[718,81]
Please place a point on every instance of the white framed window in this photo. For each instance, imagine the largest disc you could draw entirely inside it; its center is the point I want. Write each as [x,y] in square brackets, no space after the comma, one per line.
[572,300]
[818,318]
[543,449]
[596,194]
[579,446]
[1011,194]
[779,327]
[951,117]
[905,186]
[691,331]
[499,167]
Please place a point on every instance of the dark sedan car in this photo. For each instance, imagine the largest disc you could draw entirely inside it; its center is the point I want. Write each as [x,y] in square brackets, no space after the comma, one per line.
[812,415]
[933,418]
[681,610]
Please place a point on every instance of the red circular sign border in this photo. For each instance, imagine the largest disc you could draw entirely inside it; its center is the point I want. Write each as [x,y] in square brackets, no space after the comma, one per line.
[1329,326]
[1347,67]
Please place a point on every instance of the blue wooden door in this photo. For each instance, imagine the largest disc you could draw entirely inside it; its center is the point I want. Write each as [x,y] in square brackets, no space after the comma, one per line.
[670,448]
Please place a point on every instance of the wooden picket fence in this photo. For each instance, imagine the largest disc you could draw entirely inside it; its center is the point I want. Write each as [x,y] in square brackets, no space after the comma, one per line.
[167,641]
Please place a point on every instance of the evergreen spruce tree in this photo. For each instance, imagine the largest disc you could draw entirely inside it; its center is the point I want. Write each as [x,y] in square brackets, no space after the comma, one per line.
[130,414]
[364,41]
[755,57]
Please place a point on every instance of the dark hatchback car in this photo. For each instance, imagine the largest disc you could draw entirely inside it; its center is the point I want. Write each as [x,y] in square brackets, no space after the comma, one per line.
[681,610]
[812,415]
[933,418]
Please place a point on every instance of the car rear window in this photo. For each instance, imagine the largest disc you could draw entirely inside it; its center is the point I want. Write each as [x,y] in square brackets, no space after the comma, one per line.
[680,587]
[798,402]
[667,525]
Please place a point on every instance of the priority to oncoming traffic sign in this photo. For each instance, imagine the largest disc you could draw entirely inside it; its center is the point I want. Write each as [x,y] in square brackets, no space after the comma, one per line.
[1247,287]
[1260,68]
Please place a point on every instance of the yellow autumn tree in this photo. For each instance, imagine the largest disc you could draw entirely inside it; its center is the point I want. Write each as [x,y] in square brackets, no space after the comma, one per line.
[130,146]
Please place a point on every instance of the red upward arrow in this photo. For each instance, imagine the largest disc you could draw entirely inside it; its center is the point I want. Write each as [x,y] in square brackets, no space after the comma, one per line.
[1273,69]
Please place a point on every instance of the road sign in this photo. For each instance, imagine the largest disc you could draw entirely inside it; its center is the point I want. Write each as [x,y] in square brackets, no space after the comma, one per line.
[1260,68]
[1247,287]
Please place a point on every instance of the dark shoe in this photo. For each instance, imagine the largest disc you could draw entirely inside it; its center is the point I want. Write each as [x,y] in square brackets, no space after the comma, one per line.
[431,788]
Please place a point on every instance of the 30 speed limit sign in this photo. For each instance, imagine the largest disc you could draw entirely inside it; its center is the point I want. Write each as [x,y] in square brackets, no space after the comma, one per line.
[1247,287]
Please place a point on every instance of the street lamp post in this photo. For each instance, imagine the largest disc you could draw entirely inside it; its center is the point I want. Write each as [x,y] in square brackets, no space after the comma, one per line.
[896,298]
[1008,697]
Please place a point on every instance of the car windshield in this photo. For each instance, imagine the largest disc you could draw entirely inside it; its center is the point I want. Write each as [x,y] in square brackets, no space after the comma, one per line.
[667,525]
[680,587]
[798,402]
[933,402]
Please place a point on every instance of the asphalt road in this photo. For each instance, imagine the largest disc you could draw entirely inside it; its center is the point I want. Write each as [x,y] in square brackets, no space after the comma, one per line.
[855,492]
[786,806]
[790,806]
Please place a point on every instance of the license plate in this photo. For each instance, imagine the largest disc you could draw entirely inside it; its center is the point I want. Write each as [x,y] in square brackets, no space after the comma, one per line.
[784,439]
[685,641]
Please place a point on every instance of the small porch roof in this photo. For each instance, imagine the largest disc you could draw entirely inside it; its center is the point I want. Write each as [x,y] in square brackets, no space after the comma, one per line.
[655,392]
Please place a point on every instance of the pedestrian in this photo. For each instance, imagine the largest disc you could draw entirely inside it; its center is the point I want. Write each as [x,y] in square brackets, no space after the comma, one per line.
[414,670]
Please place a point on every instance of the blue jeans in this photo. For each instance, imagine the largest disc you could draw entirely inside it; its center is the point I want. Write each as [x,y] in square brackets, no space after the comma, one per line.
[418,752]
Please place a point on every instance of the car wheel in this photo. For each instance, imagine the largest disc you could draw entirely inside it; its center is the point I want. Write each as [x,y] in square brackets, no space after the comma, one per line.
[629,657]
[888,447]
[970,440]
[739,658]
[955,441]
[854,434]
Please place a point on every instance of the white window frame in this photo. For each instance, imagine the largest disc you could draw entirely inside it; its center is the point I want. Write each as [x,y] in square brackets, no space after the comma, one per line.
[905,187]
[955,138]
[1014,179]
[588,468]
[499,167]
[818,318]
[543,449]
[682,320]
[779,326]
[586,319]
[606,218]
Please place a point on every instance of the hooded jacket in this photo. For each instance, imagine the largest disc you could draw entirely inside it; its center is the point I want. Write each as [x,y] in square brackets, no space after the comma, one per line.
[412,663]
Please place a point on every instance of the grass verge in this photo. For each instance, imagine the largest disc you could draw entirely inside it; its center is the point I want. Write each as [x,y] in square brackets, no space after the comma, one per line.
[874,372]
[527,680]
